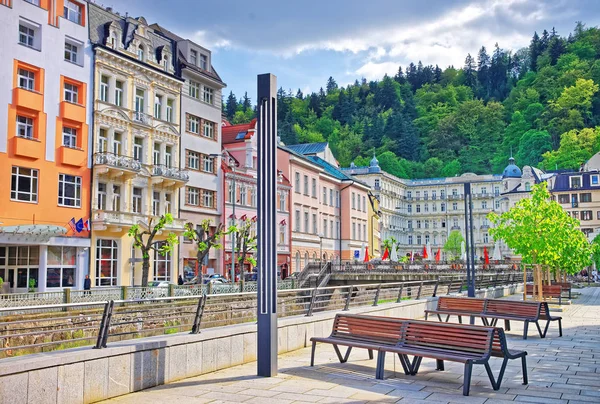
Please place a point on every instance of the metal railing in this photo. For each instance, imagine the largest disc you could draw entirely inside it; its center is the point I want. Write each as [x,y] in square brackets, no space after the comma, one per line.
[117,161]
[162,170]
[24,330]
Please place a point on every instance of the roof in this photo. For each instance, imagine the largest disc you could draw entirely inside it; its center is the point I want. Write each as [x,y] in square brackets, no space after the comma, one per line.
[308,148]
[237,133]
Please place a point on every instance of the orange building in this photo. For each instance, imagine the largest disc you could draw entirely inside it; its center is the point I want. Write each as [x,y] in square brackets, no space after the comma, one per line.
[44,159]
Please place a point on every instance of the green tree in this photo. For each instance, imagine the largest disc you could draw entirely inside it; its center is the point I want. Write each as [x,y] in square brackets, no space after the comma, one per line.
[205,239]
[245,237]
[532,145]
[576,147]
[453,245]
[232,106]
[143,239]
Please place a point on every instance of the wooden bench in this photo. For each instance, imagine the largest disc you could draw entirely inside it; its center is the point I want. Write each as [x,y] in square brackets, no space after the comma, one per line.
[566,287]
[548,291]
[494,310]
[441,341]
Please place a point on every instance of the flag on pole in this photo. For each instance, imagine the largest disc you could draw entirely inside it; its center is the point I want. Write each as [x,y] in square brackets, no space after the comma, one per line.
[366,254]
[425,256]
[386,254]
[412,256]
[486,255]
[394,255]
[73,224]
[438,255]
[79,225]
[496,256]
[87,225]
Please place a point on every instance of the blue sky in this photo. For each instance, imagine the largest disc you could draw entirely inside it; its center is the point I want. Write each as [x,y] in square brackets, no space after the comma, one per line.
[305,42]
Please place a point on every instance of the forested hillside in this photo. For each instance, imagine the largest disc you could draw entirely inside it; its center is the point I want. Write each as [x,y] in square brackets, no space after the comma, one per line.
[541,102]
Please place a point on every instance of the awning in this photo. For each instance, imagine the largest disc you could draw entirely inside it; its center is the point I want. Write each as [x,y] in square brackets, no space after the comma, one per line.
[31,232]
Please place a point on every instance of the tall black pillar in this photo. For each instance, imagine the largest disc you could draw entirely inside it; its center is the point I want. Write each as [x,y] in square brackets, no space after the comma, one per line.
[267,231]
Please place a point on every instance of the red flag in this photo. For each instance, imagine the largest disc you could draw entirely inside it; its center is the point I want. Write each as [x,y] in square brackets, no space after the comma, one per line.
[486,255]
[366,254]
[438,255]
[425,256]
[386,254]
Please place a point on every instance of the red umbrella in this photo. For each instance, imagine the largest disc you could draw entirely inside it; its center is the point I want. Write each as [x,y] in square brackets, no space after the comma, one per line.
[438,255]
[366,254]
[386,254]
[425,256]
[486,255]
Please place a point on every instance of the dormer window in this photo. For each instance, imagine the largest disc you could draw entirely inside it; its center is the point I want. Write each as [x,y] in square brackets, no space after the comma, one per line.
[194,57]
[140,53]
[203,62]
[166,62]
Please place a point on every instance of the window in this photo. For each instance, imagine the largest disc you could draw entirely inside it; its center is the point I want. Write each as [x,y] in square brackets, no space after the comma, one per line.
[194,124]
[297,224]
[70,52]
[418,208]
[586,215]
[167,203]
[194,89]
[209,164]
[433,196]
[162,264]
[193,196]
[107,253]
[496,191]
[72,12]
[306,228]
[483,190]
[594,180]
[297,182]
[527,186]
[306,185]
[138,147]
[69,190]
[71,93]
[418,195]
[442,207]
[575,182]
[116,144]
[353,231]
[253,197]
[194,57]
[497,204]
[243,195]
[119,93]
[203,62]
[409,208]
[563,198]
[331,197]
[314,188]
[442,194]
[155,203]
[116,202]
[283,201]
[230,192]
[193,160]
[208,95]
[140,95]
[377,183]
[410,240]
[35,2]
[168,156]
[483,204]
[104,88]
[359,233]
[425,195]
[454,206]
[353,200]
[26,35]
[418,224]
[24,184]
[409,224]
[486,238]
[156,154]
[208,198]
[101,196]
[157,106]
[324,201]
[282,234]
[587,197]
[454,192]
[61,267]
[426,206]
[575,214]
[434,207]
[136,205]
[426,223]
[69,137]
[26,79]
[169,110]
[140,53]
[419,240]
[209,129]
[24,127]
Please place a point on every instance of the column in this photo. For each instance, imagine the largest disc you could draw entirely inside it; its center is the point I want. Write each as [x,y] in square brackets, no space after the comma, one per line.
[42,271]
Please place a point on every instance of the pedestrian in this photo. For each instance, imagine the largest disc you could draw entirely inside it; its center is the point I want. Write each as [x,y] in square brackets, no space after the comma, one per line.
[180,280]
[87,285]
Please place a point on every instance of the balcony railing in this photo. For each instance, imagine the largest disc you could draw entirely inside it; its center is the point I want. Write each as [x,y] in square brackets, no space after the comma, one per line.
[129,218]
[175,173]
[142,118]
[117,161]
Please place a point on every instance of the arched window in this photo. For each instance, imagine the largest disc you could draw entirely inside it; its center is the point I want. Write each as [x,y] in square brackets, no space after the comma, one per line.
[298,268]
[166,62]
[315,256]
[140,53]
[527,186]
[305,258]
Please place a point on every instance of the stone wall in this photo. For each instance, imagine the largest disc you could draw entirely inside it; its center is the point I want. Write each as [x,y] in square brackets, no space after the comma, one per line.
[85,375]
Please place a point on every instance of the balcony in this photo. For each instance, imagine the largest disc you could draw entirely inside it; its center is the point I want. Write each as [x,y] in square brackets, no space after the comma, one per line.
[574,204]
[73,112]
[72,156]
[27,147]
[144,119]
[28,99]
[116,166]
[166,177]
[454,197]
[122,221]
[485,227]
[455,228]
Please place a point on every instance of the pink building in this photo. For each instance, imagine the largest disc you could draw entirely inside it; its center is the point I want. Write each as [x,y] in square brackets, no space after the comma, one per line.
[240,143]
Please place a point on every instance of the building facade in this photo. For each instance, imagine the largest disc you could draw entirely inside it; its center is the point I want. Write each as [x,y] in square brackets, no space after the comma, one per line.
[136,161]
[200,116]
[45,144]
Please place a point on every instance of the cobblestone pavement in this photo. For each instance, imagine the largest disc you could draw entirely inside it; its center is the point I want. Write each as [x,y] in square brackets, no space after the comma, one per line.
[561,370]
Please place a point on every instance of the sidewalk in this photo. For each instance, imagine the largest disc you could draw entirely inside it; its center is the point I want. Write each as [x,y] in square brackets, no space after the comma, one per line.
[561,370]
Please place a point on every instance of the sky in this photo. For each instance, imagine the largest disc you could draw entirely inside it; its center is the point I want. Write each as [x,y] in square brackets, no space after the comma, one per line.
[303,42]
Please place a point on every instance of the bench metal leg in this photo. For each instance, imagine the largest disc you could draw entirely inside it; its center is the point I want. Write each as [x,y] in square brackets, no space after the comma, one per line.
[380,365]
[467,378]
[439,318]
[370,354]
[405,364]
[459,319]
[507,325]
[524,366]
[542,333]
[525,329]
[448,318]
[560,327]
[343,359]
[415,365]
[439,364]
[488,370]
[312,353]
[485,321]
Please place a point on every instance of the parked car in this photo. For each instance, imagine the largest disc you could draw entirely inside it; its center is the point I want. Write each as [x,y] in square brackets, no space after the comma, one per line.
[214,278]
[159,284]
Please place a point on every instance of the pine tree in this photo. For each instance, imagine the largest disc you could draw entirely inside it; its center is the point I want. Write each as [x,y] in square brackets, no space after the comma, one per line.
[483,74]
[331,85]
[469,70]
[544,41]
[399,77]
[411,76]
[437,74]
[556,47]
[386,96]
[232,106]
[246,102]
[299,95]
[314,104]
[535,51]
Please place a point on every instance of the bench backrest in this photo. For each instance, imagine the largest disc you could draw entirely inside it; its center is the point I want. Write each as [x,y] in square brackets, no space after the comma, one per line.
[513,308]
[458,338]
[462,304]
[550,290]
[383,330]
[563,285]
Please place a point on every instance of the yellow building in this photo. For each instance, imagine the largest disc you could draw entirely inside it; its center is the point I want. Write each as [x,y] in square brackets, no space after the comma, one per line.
[374,227]
[136,175]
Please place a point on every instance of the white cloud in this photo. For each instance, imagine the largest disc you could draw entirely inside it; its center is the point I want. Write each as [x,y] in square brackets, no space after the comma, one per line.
[375,71]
